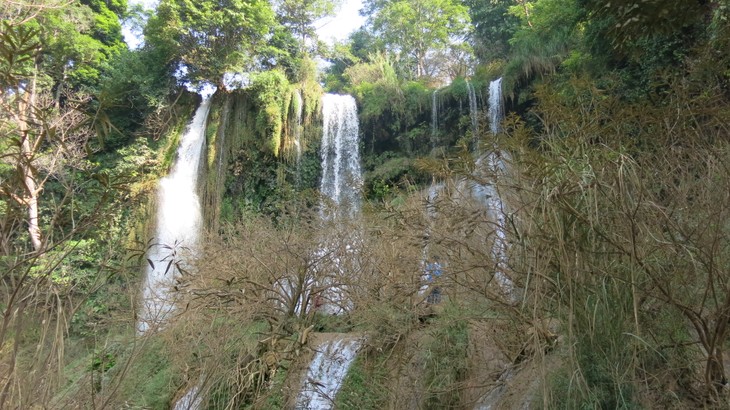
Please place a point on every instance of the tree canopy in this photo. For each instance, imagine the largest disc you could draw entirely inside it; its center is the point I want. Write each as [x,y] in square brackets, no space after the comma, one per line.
[210,38]
[418,31]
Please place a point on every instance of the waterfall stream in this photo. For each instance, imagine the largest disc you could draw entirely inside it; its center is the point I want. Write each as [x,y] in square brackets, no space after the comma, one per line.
[326,373]
[434,118]
[340,188]
[473,109]
[496,106]
[498,167]
[177,225]
[341,174]
[298,130]
[494,203]
[492,165]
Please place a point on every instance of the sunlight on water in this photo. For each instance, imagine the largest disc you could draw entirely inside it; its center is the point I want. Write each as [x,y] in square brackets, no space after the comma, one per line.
[178,224]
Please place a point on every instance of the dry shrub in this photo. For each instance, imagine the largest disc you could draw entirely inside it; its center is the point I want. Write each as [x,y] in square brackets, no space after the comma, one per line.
[622,222]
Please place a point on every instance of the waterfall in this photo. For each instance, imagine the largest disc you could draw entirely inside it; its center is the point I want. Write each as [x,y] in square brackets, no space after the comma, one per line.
[434,118]
[341,175]
[340,188]
[298,130]
[496,107]
[489,196]
[326,373]
[192,400]
[473,110]
[178,224]
[493,201]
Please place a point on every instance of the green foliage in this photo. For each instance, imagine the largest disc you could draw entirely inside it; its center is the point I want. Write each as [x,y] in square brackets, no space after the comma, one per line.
[135,88]
[389,108]
[630,21]
[366,385]
[445,358]
[544,39]
[79,41]
[602,355]
[151,376]
[18,47]
[311,89]
[272,91]
[493,28]
[211,37]
[390,174]
[78,268]
[614,200]
[299,16]
[326,323]
[412,30]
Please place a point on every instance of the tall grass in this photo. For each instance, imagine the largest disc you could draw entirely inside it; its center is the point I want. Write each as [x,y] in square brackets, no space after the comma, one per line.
[621,221]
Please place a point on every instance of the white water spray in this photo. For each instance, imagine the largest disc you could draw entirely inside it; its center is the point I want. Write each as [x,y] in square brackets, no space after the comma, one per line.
[192,400]
[340,185]
[492,198]
[326,374]
[434,118]
[298,107]
[341,174]
[178,224]
[473,109]
[496,108]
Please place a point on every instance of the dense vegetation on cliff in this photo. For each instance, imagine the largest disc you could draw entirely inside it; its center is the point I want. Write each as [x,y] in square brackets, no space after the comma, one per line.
[616,196]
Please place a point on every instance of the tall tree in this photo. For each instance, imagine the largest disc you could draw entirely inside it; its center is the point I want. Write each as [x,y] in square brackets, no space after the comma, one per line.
[493,27]
[299,16]
[415,30]
[210,38]
[49,51]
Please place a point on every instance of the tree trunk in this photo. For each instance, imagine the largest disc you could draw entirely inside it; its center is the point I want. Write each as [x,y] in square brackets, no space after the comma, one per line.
[29,198]
[31,201]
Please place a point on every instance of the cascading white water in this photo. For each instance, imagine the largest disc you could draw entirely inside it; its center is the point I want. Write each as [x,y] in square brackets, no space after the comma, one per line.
[298,107]
[434,118]
[473,109]
[496,108]
[489,196]
[178,224]
[493,201]
[341,174]
[340,185]
[192,400]
[326,374]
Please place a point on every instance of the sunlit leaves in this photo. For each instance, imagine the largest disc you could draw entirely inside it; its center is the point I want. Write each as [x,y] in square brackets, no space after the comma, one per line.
[211,37]
[18,44]
[417,29]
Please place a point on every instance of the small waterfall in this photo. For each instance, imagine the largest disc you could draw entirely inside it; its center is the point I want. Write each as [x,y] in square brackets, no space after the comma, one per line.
[298,107]
[326,373]
[489,196]
[493,201]
[434,118]
[473,111]
[178,223]
[341,175]
[431,199]
[496,106]
[192,400]
[340,187]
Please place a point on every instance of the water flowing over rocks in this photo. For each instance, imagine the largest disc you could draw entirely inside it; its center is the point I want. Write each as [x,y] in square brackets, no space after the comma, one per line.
[178,224]
[341,173]
[326,372]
